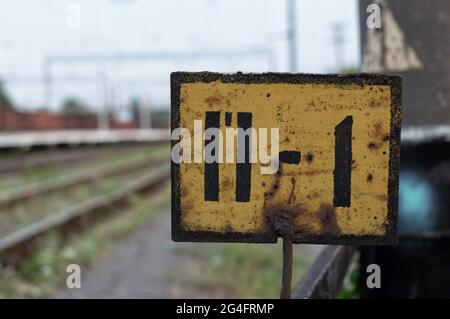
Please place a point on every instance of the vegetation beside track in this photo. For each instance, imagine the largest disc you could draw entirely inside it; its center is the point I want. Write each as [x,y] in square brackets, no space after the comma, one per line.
[30,211]
[238,270]
[105,158]
[42,274]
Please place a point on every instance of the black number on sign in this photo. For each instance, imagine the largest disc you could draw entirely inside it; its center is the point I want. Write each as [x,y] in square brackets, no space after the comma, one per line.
[343,163]
[211,181]
[244,170]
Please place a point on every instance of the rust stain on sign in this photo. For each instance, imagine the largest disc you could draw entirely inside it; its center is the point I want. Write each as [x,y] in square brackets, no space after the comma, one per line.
[339,151]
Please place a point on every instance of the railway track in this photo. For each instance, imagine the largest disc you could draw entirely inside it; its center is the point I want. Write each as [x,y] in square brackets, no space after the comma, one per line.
[65,182]
[59,204]
[16,246]
[16,163]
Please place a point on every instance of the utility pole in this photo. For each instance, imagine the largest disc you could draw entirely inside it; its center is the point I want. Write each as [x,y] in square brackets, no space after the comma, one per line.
[338,40]
[145,114]
[48,94]
[103,116]
[292,35]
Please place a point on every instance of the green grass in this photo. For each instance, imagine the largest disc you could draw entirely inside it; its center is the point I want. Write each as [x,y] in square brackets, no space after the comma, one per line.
[350,288]
[42,274]
[246,271]
[240,270]
[29,176]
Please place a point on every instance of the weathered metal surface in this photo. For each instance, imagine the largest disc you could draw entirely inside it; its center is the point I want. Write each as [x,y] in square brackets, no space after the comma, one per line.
[414,42]
[325,276]
[322,193]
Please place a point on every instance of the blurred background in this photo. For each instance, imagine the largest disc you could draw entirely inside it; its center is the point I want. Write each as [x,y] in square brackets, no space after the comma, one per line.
[84,129]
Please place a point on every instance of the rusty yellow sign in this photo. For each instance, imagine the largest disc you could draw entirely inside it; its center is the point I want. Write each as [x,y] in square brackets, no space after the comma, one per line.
[310,157]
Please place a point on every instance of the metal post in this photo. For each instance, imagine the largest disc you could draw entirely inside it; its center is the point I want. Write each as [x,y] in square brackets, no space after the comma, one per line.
[144,116]
[48,94]
[103,116]
[286,280]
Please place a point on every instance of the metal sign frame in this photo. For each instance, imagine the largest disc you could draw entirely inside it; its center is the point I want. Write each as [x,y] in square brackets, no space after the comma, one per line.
[394,82]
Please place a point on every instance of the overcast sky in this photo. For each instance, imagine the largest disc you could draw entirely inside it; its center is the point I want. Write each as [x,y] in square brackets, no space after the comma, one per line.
[33,30]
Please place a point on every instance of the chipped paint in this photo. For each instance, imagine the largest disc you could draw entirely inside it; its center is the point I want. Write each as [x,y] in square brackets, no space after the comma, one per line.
[298,200]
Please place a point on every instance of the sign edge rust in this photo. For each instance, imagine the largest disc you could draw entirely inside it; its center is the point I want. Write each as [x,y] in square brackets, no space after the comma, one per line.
[179,234]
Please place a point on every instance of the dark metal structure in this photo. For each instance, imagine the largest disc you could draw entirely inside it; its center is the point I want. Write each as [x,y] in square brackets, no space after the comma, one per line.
[414,41]
[325,276]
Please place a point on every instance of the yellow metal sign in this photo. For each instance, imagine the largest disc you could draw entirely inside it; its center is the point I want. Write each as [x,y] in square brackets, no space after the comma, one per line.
[330,174]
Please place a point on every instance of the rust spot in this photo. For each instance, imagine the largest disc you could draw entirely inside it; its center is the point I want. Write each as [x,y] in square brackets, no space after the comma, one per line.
[263,184]
[373,146]
[327,215]
[226,184]
[184,191]
[378,132]
[268,95]
[214,100]
[313,195]
[187,206]
[292,197]
[273,187]
[314,172]
[309,157]
[373,104]
[369,178]
[281,219]
[227,228]
[378,129]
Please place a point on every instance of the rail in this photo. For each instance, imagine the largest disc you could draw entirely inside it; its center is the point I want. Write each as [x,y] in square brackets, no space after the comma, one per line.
[325,276]
[40,188]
